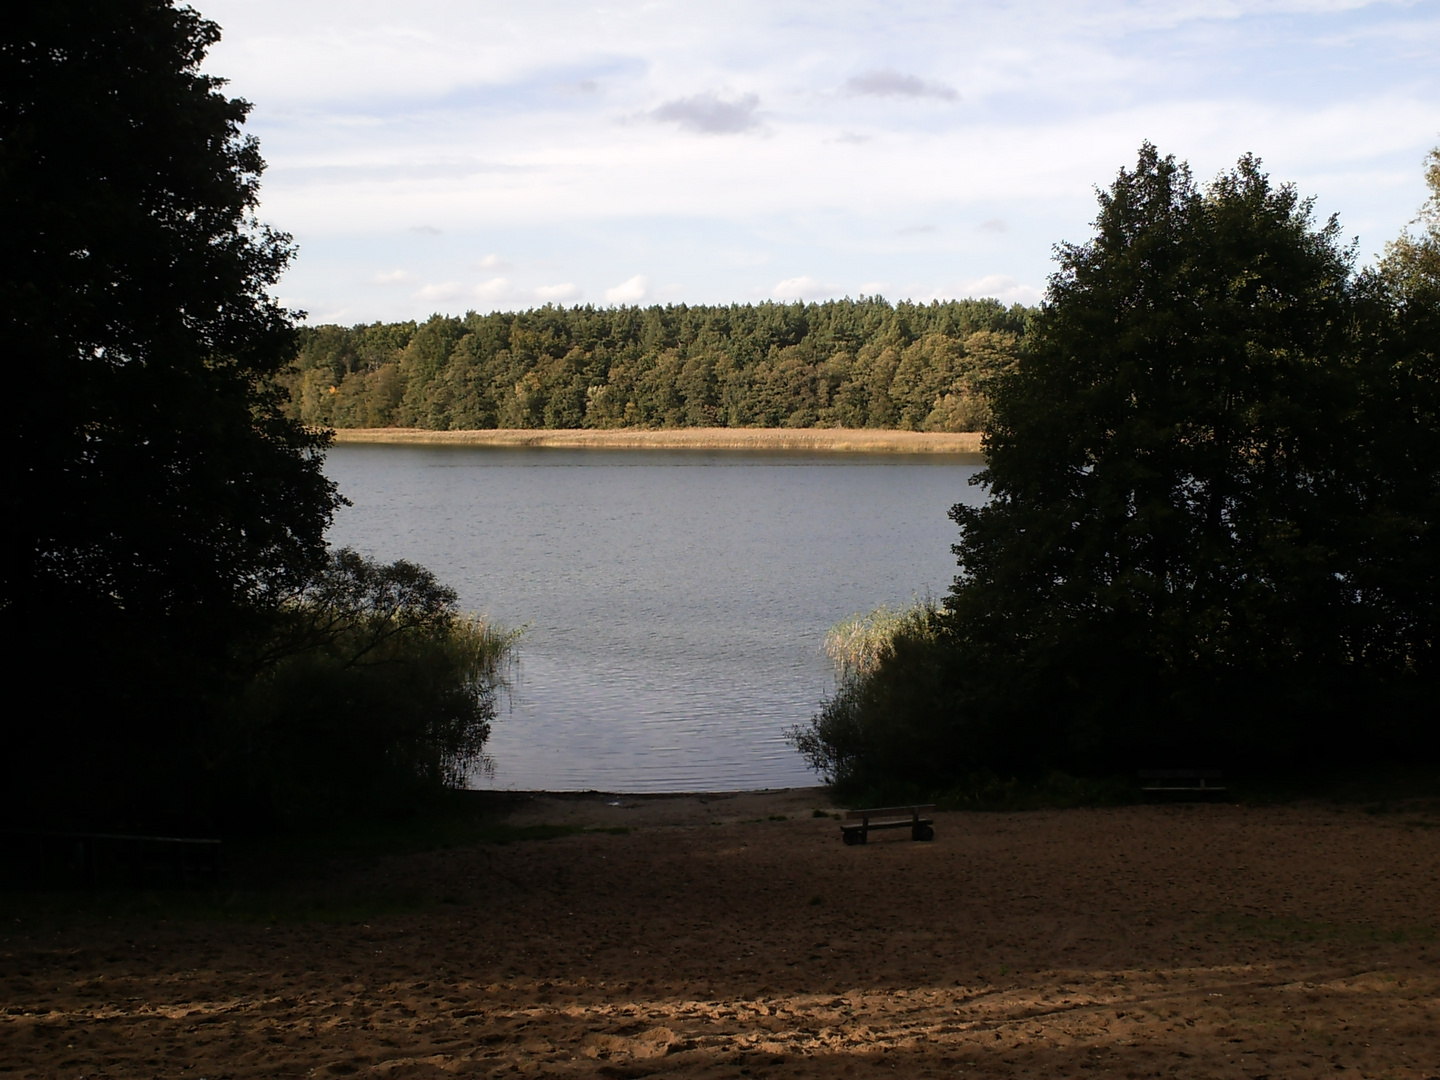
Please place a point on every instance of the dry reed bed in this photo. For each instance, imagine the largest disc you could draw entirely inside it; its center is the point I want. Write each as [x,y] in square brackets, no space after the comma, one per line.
[832,440]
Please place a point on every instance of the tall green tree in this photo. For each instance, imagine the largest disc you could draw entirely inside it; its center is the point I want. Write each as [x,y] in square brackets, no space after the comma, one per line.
[1213,530]
[154,490]
[1412,262]
[1402,434]
[1172,497]
[1187,549]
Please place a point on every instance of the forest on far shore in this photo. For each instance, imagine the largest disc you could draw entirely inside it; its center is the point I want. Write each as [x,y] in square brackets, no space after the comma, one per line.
[844,363]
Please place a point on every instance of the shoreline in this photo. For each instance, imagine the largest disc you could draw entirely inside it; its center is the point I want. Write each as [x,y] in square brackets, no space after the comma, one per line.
[825,440]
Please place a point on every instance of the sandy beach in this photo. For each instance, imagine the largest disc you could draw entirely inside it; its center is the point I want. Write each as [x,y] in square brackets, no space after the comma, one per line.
[831,440]
[735,936]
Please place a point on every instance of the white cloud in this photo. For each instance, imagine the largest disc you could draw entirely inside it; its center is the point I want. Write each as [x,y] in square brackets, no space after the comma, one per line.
[557,294]
[889,83]
[710,114]
[394,277]
[552,133]
[802,288]
[444,290]
[493,291]
[341,315]
[628,292]
[873,288]
[1003,288]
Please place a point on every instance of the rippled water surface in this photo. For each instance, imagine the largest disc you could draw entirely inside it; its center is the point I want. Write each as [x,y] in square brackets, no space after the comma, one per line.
[676,602]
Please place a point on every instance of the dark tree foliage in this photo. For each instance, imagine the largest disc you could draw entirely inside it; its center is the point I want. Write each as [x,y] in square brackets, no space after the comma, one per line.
[1173,545]
[156,494]
[1210,537]
[370,692]
[1412,263]
[844,363]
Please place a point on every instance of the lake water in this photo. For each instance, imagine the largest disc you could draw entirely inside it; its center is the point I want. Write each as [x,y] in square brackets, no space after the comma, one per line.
[675,602]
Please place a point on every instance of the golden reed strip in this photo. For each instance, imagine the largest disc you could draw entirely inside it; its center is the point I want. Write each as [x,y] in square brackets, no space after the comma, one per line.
[840,440]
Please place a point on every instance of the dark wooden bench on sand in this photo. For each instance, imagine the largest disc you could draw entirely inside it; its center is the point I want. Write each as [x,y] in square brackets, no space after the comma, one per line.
[1181,783]
[889,817]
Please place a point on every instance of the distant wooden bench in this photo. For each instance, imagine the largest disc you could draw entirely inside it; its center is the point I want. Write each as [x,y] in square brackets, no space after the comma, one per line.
[889,817]
[1182,783]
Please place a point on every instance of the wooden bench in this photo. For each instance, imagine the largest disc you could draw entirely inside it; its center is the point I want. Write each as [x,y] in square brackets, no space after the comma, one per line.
[888,817]
[1182,783]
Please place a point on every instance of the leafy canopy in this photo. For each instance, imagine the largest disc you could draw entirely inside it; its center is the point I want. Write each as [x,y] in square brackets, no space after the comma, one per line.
[1412,263]
[158,504]
[1214,482]
[846,363]
[150,466]
[1181,536]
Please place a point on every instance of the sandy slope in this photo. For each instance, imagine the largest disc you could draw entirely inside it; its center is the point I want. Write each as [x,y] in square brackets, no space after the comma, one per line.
[1199,941]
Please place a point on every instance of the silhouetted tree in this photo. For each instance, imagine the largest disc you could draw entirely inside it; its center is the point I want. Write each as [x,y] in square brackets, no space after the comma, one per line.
[1173,538]
[1214,481]
[155,493]
[371,691]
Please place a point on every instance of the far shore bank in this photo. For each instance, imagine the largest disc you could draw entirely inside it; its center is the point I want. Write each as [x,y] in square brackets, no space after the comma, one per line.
[831,440]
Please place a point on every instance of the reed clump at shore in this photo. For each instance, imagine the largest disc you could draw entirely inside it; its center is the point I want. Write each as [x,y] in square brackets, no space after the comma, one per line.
[833,440]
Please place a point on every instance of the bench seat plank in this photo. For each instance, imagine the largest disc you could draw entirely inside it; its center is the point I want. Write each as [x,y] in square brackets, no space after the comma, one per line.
[891,811]
[1182,782]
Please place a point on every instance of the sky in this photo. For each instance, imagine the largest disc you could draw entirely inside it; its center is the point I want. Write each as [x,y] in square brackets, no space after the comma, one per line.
[445,156]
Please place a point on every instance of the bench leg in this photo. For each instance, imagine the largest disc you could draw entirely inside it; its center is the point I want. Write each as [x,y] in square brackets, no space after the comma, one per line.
[922,832]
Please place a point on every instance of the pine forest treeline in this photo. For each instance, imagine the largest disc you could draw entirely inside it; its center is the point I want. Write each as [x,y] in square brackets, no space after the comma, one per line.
[844,363]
